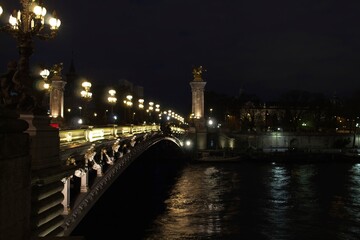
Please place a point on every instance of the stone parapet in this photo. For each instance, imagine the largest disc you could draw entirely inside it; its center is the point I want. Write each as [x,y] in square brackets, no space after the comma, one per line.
[45,142]
[15,177]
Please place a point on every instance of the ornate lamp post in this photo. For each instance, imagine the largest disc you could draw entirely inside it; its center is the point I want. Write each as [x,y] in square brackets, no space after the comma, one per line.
[140,110]
[150,110]
[45,74]
[46,86]
[158,111]
[24,25]
[85,93]
[128,104]
[112,100]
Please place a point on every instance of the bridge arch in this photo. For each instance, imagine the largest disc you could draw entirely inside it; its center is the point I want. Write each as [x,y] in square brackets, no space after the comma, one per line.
[172,147]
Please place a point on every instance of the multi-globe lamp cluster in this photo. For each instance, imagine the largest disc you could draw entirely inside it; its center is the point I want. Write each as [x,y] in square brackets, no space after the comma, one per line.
[24,25]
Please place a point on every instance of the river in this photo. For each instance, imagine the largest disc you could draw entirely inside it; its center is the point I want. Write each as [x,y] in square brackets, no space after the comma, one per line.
[244,200]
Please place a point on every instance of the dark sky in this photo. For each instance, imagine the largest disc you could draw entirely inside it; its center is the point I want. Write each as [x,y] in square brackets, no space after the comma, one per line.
[264,47]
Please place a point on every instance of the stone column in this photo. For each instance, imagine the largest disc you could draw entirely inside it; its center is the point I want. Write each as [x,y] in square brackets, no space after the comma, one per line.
[197,89]
[57,99]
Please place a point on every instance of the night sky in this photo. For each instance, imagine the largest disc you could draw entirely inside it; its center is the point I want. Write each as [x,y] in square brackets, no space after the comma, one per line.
[263,47]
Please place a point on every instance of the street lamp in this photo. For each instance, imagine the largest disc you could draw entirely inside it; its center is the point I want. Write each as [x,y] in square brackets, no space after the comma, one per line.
[45,74]
[149,110]
[141,103]
[24,25]
[157,107]
[140,110]
[85,93]
[128,104]
[112,100]
[157,110]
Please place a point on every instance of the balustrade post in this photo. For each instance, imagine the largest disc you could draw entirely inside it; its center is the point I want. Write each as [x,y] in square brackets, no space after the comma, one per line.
[66,193]
[84,182]
[99,172]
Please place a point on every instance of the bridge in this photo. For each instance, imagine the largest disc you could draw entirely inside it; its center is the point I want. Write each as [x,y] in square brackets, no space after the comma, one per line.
[116,148]
[51,175]
[91,159]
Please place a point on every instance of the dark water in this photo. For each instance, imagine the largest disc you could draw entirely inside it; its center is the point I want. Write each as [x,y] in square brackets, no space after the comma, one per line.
[229,201]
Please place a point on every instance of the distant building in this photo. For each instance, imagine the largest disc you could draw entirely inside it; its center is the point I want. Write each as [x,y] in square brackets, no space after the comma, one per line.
[126,87]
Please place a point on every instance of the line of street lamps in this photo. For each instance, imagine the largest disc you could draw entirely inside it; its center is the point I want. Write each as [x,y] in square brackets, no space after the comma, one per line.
[29,23]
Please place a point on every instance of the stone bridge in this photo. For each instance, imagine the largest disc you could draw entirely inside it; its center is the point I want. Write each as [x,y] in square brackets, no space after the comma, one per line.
[55,176]
[108,167]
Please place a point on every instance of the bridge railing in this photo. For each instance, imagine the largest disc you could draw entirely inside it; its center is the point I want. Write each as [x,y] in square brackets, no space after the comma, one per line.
[83,189]
[92,133]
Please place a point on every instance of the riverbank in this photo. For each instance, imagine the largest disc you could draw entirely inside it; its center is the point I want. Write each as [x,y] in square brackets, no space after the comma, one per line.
[285,156]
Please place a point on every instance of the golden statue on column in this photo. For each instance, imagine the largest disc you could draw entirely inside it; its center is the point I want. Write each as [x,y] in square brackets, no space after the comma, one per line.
[197,72]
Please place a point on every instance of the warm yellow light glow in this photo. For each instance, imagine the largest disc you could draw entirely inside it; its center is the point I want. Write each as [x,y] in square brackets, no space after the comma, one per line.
[1,10]
[39,11]
[112,99]
[112,92]
[129,97]
[13,21]
[86,94]
[86,84]
[54,22]
[141,103]
[45,73]
[46,85]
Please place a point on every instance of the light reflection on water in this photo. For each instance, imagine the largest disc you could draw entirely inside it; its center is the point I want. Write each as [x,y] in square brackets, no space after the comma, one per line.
[230,201]
[262,201]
